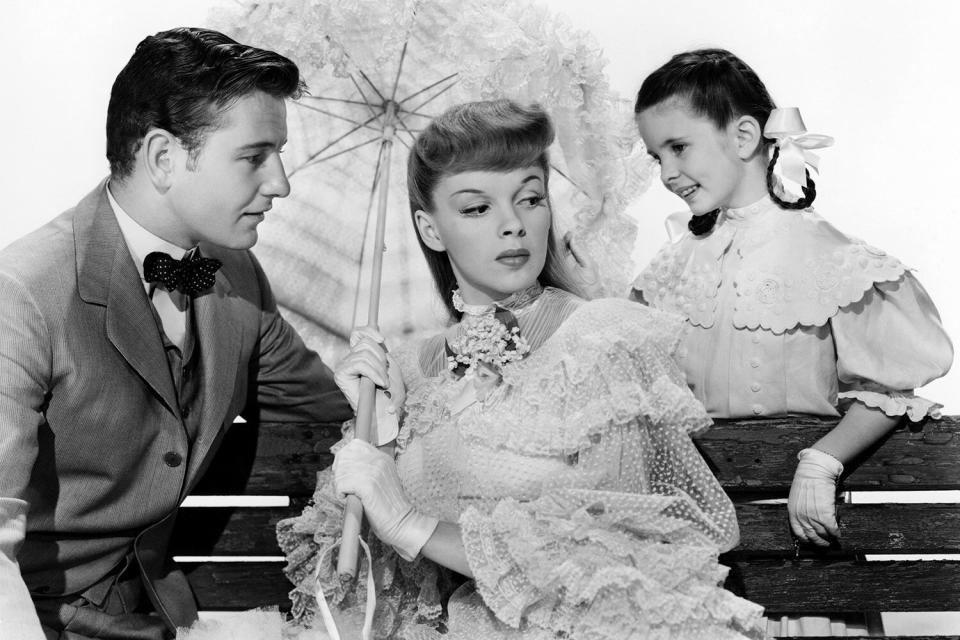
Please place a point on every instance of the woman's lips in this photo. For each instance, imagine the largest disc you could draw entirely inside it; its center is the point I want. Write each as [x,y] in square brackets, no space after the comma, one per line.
[514,257]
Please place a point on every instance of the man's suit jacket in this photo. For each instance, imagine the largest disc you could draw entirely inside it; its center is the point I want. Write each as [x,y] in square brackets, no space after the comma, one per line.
[91,433]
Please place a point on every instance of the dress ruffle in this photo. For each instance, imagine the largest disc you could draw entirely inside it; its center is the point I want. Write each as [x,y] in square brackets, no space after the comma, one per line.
[601,369]
[797,270]
[600,570]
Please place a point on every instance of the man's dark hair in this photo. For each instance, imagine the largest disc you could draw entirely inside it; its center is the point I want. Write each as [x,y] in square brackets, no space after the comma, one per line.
[181,81]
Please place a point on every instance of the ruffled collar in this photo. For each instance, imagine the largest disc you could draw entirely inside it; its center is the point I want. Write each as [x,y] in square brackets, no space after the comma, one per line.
[793,268]
[518,302]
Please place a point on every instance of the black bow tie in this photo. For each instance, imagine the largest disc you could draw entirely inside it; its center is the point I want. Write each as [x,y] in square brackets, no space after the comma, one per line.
[189,276]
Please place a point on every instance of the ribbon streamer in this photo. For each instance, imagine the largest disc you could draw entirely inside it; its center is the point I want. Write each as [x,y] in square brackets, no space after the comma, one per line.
[786,127]
[328,622]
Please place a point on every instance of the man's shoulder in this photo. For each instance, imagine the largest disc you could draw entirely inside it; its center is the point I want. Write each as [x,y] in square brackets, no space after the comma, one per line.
[48,247]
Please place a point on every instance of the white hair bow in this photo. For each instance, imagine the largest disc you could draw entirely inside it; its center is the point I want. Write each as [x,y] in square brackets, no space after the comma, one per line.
[786,127]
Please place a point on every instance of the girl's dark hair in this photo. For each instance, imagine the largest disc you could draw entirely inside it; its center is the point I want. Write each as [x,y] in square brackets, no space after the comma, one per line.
[718,85]
[496,135]
[181,80]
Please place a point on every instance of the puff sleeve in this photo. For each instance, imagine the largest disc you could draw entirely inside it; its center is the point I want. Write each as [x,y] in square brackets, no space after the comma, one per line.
[889,343]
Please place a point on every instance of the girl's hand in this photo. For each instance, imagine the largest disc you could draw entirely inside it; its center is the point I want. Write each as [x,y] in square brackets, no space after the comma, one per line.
[813,496]
[366,472]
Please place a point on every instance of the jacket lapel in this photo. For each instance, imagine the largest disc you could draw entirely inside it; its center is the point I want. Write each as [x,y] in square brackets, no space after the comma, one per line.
[108,277]
[219,336]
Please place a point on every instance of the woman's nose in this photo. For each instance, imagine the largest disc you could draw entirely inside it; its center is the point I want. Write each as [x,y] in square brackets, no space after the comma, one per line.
[512,225]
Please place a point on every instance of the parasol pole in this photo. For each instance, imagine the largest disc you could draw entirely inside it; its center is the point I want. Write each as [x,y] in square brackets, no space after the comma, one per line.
[353,512]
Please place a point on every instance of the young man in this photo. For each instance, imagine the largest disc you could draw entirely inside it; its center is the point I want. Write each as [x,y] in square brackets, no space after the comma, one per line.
[134,328]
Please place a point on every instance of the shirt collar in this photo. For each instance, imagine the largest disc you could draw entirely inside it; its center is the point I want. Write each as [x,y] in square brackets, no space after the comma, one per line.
[140,242]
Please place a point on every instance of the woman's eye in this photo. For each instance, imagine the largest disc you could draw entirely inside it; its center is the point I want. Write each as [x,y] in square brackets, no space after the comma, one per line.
[678,148]
[476,210]
[533,201]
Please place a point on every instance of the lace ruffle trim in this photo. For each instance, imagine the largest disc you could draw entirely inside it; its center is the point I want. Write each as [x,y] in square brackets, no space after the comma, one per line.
[560,580]
[895,403]
[796,270]
[608,364]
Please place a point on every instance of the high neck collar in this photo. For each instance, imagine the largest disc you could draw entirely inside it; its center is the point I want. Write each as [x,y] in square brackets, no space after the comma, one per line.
[517,302]
[743,214]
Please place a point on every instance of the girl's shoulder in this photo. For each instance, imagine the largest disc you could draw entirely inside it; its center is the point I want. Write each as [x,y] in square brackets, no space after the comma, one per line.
[795,268]
[801,270]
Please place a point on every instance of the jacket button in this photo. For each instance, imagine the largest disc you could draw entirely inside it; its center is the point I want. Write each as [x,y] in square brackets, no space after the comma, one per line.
[172,459]
[755,387]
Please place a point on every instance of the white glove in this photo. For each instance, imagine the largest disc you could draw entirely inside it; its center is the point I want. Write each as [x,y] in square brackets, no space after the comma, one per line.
[368,358]
[371,475]
[812,505]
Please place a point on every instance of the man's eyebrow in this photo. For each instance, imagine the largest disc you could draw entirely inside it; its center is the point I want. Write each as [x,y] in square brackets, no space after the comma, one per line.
[260,145]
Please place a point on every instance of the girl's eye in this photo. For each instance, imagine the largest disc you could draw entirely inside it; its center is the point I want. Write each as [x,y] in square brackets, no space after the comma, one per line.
[678,148]
[476,210]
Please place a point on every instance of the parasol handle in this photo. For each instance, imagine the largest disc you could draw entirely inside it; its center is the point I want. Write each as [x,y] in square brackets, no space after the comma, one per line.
[353,511]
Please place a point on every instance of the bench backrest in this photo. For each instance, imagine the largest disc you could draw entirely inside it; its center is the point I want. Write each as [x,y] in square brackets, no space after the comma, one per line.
[752,459]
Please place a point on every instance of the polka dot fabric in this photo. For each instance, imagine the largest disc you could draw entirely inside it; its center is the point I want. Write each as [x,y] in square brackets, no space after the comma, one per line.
[190,276]
[584,507]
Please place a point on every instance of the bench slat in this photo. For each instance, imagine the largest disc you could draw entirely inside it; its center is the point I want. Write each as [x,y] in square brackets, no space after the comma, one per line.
[865,528]
[760,456]
[802,587]
[811,586]
[283,459]
[229,586]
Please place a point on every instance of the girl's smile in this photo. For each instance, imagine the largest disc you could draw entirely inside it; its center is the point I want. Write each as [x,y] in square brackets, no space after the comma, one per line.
[701,163]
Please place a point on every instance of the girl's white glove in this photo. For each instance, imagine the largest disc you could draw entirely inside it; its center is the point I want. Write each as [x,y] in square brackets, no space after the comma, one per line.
[371,475]
[368,357]
[812,505]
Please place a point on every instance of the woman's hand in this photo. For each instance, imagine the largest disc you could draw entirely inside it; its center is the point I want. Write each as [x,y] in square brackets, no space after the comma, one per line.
[812,505]
[362,470]
[368,357]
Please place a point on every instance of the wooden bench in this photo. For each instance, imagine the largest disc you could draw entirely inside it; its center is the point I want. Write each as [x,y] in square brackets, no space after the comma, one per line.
[752,460]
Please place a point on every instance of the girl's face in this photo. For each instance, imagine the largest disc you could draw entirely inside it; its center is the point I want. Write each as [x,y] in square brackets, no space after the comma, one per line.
[493,226]
[699,162]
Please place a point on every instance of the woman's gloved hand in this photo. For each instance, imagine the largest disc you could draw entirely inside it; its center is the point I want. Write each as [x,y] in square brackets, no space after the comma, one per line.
[368,358]
[362,470]
[812,505]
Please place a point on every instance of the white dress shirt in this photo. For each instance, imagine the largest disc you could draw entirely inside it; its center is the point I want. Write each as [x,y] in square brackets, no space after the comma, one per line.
[170,306]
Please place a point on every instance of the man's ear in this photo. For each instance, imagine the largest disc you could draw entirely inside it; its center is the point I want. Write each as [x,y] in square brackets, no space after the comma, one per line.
[158,155]
[749,136]
[428,230]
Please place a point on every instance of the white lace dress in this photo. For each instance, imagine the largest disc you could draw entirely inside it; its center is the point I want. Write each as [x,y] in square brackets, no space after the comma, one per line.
[586,511]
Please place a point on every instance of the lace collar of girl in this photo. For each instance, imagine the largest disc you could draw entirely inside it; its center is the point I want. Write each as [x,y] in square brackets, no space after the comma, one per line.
[519,302]
[793,269]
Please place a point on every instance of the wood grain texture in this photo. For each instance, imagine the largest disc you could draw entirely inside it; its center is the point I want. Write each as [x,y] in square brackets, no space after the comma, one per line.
[760,455]
[811,586]
[755,456]
[781,586]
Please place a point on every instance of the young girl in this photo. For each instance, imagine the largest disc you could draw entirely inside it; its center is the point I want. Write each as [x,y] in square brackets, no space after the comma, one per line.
[788,314]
